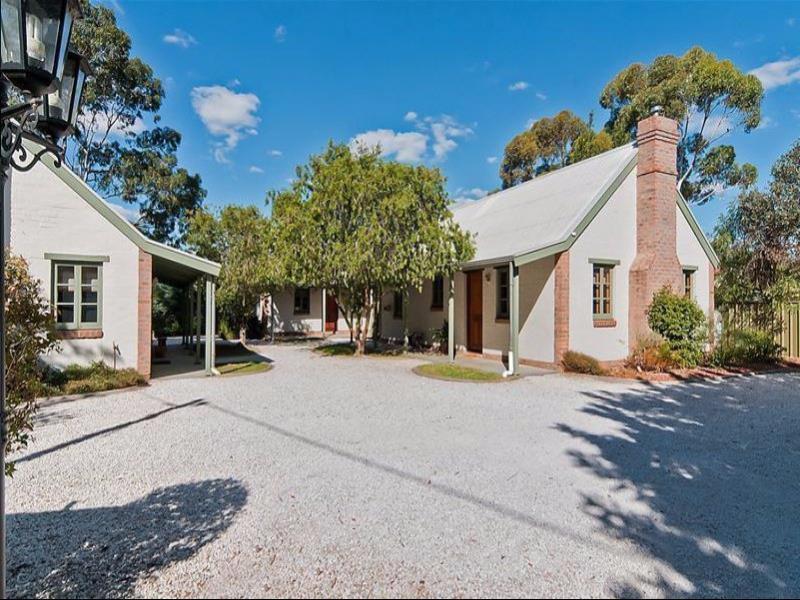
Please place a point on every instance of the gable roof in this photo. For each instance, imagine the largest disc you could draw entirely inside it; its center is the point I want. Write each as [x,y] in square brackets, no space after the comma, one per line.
[544,216]
[176,265]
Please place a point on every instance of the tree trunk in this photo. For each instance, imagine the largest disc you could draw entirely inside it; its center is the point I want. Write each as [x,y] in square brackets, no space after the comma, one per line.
[243,335]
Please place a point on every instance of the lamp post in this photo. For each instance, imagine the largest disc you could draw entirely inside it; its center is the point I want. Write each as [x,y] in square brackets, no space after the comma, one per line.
[35,59]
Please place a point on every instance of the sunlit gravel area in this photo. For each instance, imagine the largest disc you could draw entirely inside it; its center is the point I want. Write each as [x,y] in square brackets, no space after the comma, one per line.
[339,476]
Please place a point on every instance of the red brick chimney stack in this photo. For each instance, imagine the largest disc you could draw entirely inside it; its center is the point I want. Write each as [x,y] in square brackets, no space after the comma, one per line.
[656,264]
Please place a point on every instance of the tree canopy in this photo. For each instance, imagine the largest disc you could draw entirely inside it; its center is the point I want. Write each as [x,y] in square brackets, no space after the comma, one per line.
[112,149]
[241,239]
[357,224]
[709,97]
[758,239]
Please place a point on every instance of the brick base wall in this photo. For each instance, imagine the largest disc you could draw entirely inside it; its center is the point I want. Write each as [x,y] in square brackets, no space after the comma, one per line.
[145,308]
[561,316]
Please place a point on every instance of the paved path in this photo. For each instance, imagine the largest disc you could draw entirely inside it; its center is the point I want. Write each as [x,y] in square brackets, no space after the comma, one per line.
[340,476]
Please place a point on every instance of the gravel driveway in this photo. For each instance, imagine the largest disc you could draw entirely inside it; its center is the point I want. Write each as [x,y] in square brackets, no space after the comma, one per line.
[347,477]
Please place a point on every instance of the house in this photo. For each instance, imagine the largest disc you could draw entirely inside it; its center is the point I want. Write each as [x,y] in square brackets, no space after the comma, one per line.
[567,261]
[98,270]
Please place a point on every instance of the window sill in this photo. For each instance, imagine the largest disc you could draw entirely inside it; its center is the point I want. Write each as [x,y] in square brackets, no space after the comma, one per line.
[605,323]
[79,334]
[501,319]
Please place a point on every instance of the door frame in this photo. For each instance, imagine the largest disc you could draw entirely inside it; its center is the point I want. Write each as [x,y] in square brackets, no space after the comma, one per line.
[331,316]
[474,277]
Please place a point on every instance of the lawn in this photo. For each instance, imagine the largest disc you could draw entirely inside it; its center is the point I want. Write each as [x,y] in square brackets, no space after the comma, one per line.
[453,372]
[244,368]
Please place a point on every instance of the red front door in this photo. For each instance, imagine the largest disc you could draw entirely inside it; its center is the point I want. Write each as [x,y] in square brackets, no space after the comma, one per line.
[474,311]
[331,313]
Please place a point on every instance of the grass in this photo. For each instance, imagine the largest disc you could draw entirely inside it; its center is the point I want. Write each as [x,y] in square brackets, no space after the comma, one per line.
[336,350]
[97,377]
[244,368]
[452,372]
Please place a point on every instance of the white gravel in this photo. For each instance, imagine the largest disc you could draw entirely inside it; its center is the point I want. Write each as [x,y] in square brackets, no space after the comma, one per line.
[354,477]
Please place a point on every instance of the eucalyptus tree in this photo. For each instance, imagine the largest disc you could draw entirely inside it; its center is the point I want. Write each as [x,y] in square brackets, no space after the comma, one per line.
[357,225]
[708,96]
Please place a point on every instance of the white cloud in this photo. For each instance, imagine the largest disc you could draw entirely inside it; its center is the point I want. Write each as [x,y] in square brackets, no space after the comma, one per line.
[226,114]
[275,153]
[491,159]
[465,195]
[519,86]
[101,124]
[235,82]
[129,213]
[280,33]
[180,38]
[766,123]
[412,146]
[778,73]
[405,147]
[255,169]
[791,21]
[541,96]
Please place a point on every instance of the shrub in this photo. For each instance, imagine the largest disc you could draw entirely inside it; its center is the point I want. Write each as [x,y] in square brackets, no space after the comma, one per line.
[746,346]
[576,362]
[97,377]
[440,338]
[652,353]
[30,332]
[682,323]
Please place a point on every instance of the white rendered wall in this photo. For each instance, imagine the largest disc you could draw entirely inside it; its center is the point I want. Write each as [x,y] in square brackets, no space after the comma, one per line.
[691,253]
[611,235]
[48,217]
[288,322]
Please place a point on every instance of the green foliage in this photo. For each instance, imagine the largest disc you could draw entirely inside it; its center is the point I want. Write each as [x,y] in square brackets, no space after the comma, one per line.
[652,353]
[577,362]
[356,225]
[709,98]
[243,241]
[454,372]
[681,323]
[97,377]
[30,333]
[590,144]
[244,368]
[109,150]
[742,347]
[546,146]
[440,337]
[758,241]
[336,349]
[168,304]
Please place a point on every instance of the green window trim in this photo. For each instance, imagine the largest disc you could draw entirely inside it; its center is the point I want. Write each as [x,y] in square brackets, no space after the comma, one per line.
[77,285]
[603,290]
[609,262]
[689,273]
[502,299]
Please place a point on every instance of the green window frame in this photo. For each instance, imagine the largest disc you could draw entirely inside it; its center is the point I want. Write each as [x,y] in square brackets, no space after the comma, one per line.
[437,293]
[501,311]
[77,294]
[302,301]
[688,281]
[603,290]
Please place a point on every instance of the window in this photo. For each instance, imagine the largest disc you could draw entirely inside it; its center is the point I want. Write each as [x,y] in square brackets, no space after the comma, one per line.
[77,295]
[437,301]
[688,282]
[502,292]
[602,291]
[302,301]
[397,305]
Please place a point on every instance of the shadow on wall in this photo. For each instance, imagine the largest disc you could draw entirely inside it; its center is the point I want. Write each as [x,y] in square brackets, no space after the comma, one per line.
[102,552]
[712,471]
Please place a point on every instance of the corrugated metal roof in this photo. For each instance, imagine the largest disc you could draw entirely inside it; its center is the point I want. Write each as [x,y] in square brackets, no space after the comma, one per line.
[543,211]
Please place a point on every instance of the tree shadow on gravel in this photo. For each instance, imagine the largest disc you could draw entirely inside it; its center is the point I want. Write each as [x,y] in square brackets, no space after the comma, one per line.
[102,552]
[710,476]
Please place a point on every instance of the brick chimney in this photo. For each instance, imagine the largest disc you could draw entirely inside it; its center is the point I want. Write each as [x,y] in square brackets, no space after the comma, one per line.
[656,264]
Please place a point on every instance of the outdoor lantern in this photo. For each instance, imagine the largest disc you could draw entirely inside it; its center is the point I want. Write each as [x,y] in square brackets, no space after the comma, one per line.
[35,36]
[58,113]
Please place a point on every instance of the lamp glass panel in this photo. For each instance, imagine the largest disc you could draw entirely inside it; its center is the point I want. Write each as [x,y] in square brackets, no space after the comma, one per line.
[10,44]
[42,28]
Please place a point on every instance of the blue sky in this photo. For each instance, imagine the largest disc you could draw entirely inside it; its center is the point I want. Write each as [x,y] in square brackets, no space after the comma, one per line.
[256,87]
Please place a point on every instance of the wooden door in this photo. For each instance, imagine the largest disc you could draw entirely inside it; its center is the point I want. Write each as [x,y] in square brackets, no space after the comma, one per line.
[475,311]
[331,313]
